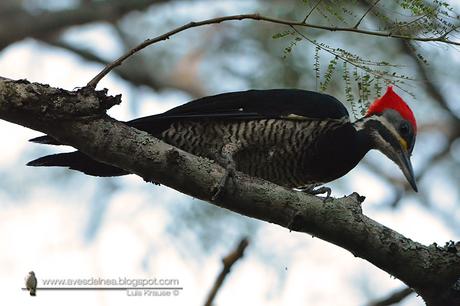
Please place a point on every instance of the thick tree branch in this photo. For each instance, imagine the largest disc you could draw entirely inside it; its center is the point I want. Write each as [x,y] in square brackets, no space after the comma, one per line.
[79,119]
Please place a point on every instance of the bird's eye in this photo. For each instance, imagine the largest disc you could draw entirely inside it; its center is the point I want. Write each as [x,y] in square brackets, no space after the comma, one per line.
[404,128]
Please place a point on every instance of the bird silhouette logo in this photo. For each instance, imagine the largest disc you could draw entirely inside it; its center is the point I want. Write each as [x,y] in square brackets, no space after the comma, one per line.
[31,283]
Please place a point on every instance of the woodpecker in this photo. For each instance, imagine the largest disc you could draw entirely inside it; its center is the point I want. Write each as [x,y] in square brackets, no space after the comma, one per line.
[294,138]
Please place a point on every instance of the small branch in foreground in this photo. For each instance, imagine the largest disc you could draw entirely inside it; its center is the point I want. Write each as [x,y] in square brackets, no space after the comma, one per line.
[394,298]
[228,262]
[93,83]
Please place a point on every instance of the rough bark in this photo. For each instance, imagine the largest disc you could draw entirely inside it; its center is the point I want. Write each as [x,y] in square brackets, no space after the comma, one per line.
[79,119]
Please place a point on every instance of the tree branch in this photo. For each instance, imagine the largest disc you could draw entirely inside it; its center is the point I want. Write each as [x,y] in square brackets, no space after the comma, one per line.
[78,119]
[22,24]
[365,14]
[93,83]
[394,298]
[312,10]
[137,77]
[228,261]
[136,73]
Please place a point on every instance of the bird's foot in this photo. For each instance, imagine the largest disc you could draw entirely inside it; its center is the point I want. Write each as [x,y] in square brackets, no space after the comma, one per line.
[313,190]
[228,151]
[229,174]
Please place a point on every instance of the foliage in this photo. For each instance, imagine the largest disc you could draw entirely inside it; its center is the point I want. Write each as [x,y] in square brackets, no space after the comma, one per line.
[360,74]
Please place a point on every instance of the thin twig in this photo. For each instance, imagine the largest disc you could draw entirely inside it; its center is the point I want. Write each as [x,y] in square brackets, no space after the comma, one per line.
[258,17]
[367,12]
[415,20]
[394,298]
[450,31]
[353,63]
[228,262]
[311,11]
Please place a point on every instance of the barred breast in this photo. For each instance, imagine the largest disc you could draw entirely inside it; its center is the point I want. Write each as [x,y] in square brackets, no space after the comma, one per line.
[276,150]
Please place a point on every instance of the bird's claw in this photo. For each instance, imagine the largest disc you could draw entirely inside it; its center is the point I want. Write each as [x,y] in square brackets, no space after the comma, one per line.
[315,191]
[229,174]
[228,151]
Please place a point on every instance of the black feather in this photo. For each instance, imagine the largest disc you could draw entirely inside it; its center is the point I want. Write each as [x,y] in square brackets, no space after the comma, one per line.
[252,104]
[77,161]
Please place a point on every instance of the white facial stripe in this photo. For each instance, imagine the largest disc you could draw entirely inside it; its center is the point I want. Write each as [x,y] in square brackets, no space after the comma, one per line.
[381,143]
[389,126]
[359,125]
[393,130]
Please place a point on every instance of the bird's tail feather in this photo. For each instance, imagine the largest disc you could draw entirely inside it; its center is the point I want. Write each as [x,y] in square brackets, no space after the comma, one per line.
[78,161]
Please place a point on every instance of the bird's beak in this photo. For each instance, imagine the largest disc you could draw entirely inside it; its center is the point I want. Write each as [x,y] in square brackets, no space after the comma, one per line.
[403,161]
[401,157]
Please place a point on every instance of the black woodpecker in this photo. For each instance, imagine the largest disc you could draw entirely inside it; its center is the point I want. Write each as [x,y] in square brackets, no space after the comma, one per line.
[294,138]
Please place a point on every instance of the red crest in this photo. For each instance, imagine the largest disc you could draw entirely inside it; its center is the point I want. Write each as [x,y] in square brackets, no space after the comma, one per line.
[391,100]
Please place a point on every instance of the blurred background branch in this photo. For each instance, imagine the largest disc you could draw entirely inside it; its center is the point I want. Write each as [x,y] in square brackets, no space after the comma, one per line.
[227,262]
[394,298]
[17,24]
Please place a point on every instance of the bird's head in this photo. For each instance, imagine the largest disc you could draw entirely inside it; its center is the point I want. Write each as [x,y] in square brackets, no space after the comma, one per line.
[392,127]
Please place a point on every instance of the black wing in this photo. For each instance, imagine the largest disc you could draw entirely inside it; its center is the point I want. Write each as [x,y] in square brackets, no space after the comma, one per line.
[251,104]
[243,105]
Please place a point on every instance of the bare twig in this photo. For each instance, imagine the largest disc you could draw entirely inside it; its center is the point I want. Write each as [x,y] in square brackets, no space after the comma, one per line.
[137,77]
[415,20]
[311,11]
[130,75]
[227,262]
[365,14]
[394,298]
[454,28]
[93,83]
